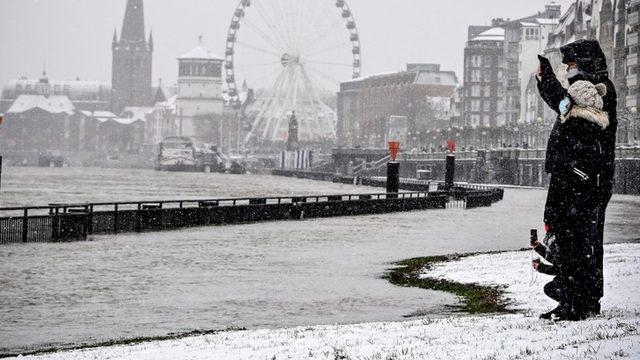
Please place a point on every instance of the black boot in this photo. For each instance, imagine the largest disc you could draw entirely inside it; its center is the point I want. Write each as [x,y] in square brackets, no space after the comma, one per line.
[565,312]
[549,314]
[562,312]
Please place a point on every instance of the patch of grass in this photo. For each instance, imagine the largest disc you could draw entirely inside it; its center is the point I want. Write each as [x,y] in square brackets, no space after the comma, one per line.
[476,299]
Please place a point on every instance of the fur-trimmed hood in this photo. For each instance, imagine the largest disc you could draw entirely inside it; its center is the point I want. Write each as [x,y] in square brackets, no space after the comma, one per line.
[593,115]
[587,103]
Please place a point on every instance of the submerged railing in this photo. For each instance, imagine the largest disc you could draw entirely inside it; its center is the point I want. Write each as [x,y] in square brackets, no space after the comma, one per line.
[66,222]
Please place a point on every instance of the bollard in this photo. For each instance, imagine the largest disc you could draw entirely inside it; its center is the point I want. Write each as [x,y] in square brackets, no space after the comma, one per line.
[450,166]
[25,226]
[115,219]
[450,172]
[393,171]
[393,179]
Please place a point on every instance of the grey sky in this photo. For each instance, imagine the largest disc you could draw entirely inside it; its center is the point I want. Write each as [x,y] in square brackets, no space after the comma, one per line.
[73,37]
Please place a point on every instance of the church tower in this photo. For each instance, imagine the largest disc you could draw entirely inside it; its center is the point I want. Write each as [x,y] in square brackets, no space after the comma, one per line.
[132,61]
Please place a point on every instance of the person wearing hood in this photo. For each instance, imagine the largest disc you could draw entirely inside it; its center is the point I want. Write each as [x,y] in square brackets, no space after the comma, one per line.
[584,103]
[572,208]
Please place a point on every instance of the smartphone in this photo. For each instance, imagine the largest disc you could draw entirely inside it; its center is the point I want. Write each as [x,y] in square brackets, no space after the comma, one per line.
[544,60]
[545,65]
[534,236]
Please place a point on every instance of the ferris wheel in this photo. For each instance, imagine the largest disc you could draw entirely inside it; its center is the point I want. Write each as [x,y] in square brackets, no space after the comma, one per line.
[293,54]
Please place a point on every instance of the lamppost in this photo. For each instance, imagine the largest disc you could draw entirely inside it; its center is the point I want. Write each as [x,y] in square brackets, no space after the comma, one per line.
[627,129]
[634,125]
[475,136]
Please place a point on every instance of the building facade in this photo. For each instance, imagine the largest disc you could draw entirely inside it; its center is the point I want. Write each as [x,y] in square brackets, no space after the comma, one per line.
[132,61]
[525,39]
[85,95]
[484,87]
[423,94]
[498,64]
[37,123]
[199,104]
[633,49]
[522,118]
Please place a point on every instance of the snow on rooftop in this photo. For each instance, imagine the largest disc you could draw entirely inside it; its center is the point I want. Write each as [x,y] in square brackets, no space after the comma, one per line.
[105,114]
[125,121]
[200,53]
[493,34]
[545,21]
[487,38]
[136,112]
[496,31]
[98,114]
[53,104]
[371,76]
[437,78]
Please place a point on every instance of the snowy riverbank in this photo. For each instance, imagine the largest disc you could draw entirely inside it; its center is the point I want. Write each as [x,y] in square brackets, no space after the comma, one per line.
[614,334]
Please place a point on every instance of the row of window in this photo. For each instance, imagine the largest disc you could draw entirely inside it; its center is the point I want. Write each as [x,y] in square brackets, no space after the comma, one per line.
[483,91]
[205,70]
[43,89]
[484,75]
[530,34]
[476,119]
[480,61]
[478,105]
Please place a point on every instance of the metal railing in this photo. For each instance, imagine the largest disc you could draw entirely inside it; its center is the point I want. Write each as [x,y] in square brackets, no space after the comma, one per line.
[64,222]
[370,166]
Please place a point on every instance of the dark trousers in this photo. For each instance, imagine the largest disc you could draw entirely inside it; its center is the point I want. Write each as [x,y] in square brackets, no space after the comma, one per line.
[598,289]
[561,289]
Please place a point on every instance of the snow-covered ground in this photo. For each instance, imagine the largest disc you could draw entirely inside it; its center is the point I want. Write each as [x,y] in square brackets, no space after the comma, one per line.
[614,334]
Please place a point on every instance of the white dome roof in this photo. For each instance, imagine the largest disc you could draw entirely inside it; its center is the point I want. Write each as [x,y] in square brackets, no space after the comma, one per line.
[200,53]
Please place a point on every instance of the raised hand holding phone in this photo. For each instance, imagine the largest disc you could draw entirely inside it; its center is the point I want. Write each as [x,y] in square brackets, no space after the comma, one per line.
[544,68]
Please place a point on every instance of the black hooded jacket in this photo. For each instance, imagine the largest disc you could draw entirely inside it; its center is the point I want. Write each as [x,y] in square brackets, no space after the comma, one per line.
[592,64]
[572,203]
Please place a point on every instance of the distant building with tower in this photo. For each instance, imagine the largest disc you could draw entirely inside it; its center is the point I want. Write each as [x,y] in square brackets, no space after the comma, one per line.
[132,61]
[95,120]
[199,104]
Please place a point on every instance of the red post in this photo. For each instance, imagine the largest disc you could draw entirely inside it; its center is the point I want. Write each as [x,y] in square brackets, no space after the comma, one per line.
[394,149]
[393,170]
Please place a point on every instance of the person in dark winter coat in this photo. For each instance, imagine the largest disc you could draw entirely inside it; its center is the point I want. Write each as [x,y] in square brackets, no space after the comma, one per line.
[578,163]
[586,61]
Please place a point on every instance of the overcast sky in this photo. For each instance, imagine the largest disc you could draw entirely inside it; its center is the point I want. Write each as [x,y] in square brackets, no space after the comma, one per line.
[73,37]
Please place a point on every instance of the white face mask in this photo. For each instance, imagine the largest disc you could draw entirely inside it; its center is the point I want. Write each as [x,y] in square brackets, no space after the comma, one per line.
[573,72]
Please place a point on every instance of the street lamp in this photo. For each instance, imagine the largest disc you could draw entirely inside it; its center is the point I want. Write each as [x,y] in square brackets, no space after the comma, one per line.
[634,116]
[628,124]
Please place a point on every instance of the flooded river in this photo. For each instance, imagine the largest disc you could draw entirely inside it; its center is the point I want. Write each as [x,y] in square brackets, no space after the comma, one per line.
[317,271]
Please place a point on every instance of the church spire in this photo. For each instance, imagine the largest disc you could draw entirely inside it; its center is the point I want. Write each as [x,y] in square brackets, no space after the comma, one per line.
[114,42]
[150,40]
[133,27]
